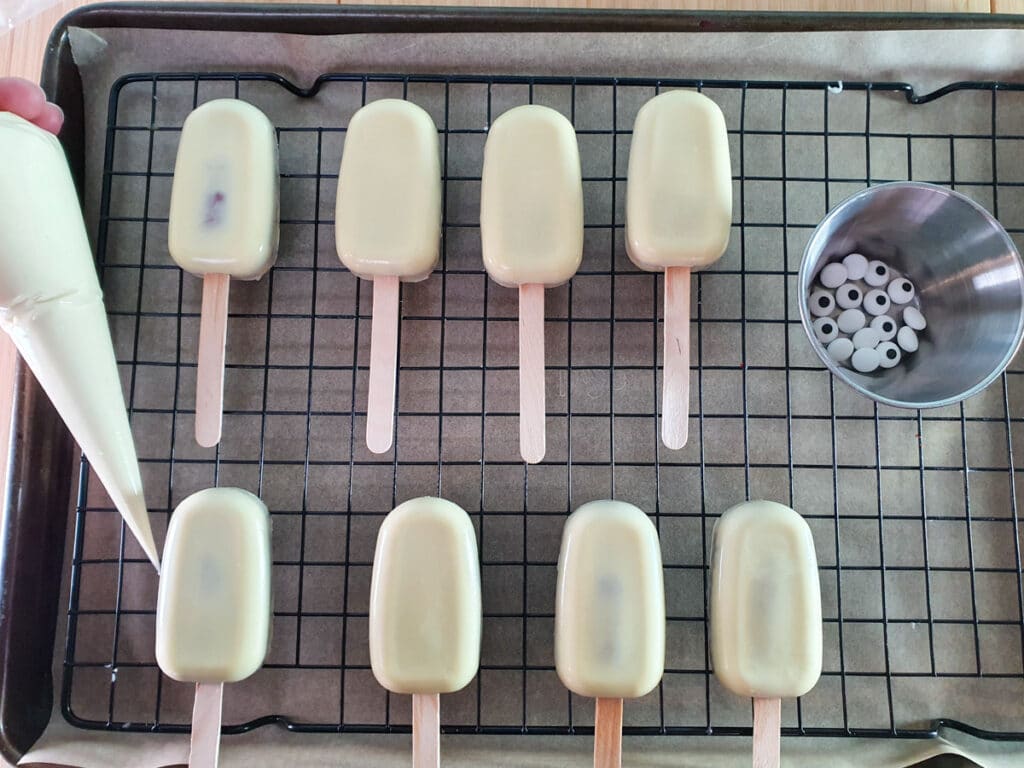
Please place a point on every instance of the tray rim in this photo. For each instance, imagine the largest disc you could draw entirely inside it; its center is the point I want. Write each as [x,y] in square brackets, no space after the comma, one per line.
[34,515]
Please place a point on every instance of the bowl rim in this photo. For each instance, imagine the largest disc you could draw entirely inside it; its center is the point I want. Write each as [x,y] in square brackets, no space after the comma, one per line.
[841,373]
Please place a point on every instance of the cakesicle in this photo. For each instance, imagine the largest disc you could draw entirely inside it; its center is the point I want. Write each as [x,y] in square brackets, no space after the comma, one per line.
[609,614]
[51,305]
[678,215]
[766,635]
[531,228]
[425,611]
[388,229]
[213,606]
[223,224]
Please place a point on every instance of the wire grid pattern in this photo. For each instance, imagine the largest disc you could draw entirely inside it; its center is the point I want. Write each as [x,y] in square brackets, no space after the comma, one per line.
[914,514]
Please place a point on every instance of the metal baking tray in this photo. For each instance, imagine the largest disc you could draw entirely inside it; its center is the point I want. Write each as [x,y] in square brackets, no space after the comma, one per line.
[610,397]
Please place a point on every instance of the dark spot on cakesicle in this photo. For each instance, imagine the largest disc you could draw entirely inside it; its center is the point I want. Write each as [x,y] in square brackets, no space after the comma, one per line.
[880,300]
[891,354]
[826,328]
[214,209]
[823,302]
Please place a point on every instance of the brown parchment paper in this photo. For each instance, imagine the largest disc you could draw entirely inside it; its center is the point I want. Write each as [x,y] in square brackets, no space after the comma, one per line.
[927,59]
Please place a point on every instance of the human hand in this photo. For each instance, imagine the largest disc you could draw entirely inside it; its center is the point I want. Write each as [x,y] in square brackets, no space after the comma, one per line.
[27,100]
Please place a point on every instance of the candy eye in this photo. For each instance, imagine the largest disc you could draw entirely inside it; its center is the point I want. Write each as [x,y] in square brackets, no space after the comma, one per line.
[833,275]
[885,326]
[889,354]
[907,339]
[876,302]
[901,290]
[825,329]
[914,318]
[840,349]
[821,303]
[865,338]
[856,266]
[866,360]
[877,274]
[851,321]
[848,296]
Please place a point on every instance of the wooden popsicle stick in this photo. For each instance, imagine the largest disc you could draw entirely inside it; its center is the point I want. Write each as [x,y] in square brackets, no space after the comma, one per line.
[380,407]
[213,335]
[608,733]
[767,737]
[206,715]
[532,406]
[426,730]
[675,384]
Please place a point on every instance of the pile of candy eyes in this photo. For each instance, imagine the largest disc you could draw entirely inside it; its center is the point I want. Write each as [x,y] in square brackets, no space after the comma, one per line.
[866,314]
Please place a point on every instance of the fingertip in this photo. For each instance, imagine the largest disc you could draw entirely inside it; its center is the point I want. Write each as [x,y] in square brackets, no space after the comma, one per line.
[50,119]
[22,97]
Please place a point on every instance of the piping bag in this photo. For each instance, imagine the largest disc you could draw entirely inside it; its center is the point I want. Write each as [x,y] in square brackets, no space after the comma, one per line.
[51,306]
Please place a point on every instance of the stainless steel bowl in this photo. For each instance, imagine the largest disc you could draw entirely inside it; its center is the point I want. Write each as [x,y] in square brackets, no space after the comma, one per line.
[969,279]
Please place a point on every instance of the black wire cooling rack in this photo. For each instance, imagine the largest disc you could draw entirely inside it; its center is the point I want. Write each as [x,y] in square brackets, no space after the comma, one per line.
[914,513]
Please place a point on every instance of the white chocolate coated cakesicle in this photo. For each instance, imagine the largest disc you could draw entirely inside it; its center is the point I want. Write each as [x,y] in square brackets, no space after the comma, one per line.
[609,614]
[51,305]
[224,198]
[223,224]
[388,229]
[213,609]
[531,199]
[678,215]
[388,221]
[213,606]
[425,611]
[766,635]
[531,228]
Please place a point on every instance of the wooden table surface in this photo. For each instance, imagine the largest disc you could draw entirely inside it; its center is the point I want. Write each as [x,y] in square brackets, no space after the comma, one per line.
[21,52]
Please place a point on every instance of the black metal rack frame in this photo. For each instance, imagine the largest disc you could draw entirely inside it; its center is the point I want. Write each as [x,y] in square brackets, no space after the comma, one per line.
[639,321]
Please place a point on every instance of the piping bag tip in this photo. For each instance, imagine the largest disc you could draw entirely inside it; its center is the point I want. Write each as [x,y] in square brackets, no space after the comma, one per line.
[154,558]
[149,548]
[137,519]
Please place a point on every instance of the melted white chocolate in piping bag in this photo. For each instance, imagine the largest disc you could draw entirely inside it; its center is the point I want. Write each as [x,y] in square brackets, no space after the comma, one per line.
[51,305]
